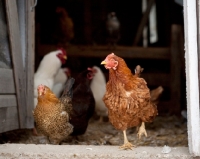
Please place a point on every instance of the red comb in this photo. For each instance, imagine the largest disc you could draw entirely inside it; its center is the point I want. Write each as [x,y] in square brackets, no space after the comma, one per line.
[41,86]
[63,51]
[92,69]
[89,69]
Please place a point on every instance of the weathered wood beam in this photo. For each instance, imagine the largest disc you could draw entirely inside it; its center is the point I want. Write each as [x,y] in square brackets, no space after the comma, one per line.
[7,85]
[192,74]
[9,119]
[175,90]
[30,61]
[102,51]
[16,54]
[8,101]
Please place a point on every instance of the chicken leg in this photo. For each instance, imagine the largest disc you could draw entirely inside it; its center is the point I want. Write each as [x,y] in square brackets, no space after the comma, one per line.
[101,119]
[141,131]
[127,145]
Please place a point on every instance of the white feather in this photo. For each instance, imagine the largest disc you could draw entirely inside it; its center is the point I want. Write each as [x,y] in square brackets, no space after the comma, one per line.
[46,72]
[98,87]
[59,82]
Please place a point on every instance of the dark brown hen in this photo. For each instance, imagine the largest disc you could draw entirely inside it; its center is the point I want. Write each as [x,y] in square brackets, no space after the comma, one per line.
[127,98]
[83,102]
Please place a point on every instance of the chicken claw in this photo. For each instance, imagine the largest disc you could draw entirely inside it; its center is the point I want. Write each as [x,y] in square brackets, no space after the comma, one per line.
[127,146]
[141,131]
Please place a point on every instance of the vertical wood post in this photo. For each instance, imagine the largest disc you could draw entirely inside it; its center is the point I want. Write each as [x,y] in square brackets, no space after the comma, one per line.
[16,54]
[175,60]
[198,34]
[30,61]
[192,83]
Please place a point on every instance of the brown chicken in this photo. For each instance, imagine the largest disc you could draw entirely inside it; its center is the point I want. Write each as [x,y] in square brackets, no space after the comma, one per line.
[64,31]
[127,98]
[52,114]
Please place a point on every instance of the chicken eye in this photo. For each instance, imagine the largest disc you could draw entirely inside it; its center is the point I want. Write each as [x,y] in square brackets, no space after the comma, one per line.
[115,63]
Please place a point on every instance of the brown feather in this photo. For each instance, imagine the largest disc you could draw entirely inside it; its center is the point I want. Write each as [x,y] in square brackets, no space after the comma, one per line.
[51,117]
[127,98]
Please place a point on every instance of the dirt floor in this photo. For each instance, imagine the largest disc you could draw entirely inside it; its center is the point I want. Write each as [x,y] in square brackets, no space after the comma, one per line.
[166,130]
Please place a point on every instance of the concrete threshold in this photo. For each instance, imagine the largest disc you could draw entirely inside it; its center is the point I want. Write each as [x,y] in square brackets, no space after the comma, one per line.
[31,151]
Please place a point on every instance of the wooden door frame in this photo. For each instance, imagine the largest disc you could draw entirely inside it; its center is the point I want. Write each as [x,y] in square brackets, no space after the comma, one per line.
[23,74]
[192,80]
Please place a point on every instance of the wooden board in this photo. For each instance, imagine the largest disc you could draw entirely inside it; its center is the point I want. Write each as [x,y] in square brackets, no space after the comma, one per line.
[7,81]
[103,51]
[175,77]
[8,119]
[30,62]
[16,53]
[8,101]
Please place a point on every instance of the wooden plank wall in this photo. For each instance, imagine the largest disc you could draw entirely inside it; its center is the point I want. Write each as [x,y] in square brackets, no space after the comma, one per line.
[16,86]
[9,114]
[16,54]
[8,101]
[7,85]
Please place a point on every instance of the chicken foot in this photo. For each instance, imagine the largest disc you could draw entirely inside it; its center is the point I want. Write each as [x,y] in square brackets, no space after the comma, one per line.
[127,145]
[141,131]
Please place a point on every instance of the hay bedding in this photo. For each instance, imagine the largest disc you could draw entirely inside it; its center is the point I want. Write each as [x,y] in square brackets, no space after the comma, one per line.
[167,130]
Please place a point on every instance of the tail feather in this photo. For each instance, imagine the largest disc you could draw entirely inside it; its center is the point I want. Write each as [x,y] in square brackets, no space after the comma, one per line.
[68,91]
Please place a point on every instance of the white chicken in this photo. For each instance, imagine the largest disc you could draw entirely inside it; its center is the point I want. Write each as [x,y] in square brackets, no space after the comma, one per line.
[47,70]
[60,80]
[98,87]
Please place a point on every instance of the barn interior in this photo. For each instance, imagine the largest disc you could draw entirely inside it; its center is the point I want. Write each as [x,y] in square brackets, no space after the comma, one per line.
[89,45]
[159,50]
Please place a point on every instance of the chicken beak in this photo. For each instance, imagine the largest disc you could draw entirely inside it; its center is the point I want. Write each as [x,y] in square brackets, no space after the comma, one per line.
[40,93]
[65,57]
[103,62]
